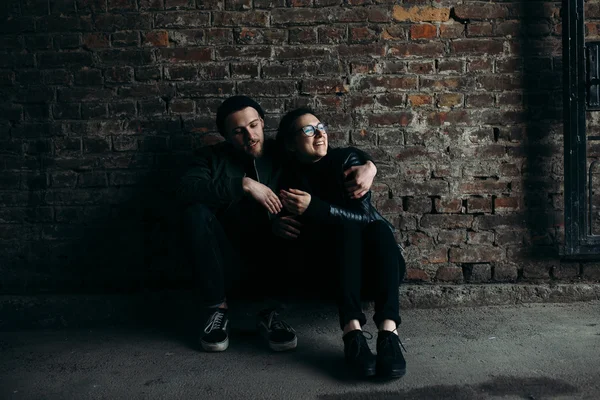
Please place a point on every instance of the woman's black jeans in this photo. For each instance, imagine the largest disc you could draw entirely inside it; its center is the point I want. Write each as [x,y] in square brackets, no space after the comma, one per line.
[357,263]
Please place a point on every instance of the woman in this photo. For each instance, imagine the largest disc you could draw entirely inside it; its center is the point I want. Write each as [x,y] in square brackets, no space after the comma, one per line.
[322,217]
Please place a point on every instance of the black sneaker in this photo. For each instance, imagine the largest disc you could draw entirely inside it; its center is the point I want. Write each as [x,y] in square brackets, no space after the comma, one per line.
[277,333]
[358,354]
[390,361]
[215,336]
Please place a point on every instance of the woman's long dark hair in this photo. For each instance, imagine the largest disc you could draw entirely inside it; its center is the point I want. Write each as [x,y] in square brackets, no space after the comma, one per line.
[286,131]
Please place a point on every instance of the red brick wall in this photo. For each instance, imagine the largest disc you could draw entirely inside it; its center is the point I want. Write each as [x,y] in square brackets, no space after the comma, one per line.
[102,101]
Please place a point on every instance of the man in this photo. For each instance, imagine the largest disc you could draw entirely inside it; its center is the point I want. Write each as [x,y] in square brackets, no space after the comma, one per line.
[230,201]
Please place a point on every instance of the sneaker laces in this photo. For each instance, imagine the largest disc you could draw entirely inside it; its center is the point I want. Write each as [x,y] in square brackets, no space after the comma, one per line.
[215,322]
[274,323]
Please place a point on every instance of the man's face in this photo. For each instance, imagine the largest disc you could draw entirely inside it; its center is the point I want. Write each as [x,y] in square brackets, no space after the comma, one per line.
[244,130]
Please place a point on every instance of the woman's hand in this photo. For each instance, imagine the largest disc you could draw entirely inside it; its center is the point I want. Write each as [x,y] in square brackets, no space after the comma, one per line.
[286,227]
[295,201]
[359,179]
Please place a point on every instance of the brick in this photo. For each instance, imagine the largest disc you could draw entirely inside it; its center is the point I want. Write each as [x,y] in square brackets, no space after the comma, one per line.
[452,30]
[566,270]
[181,72]
[92,6]
[127,57]
[478,273]
[418,100]
[476,254]
[152,107]
[423,31]
[449,274]
[391,100]
[96,145]
[507,204]
[96,40]
[238,5]
[155,39]
[84,94]
[38,42]
[430,49]
[37,111]
[217,71]
[413,274]
[444,221]
[197,37]
[505,272]
[442,83]
[480,11]
[299,16]
[323,86]
[421,14]
[536,270]
[366,50]
[378,84]
[363,34]
[17,25]
[118,74]
[480,29]
[442,118]
[331,35]
[152,73]
[476,46]
[144,91]
[93,110]
[480,100]
[67,41]
[34,7]
[510,99]
[483,187]
[450,100]
[92,179]
[268,88]
[236,19]
[152,5]
[125,143]
[435,256]
[179,4]
[180,106]
[208,89]
[479,205]
[303,35]
[243,52]
[33,94]
[57,60]
[495,222]
[390,119]
[367,67]
[122,109]
[184,19]
[420,67]
[273,36]
[445,205]
[455,237]
[395,32]
[63,23]
[591,271]
[88,77]
[451,66]
[186,54]
[419,205]
[122,5]
[499,83]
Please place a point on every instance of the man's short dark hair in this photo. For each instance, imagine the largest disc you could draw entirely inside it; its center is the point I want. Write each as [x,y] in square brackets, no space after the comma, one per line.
[233,104]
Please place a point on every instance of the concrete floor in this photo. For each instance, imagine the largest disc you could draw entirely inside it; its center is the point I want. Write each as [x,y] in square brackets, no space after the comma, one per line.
[541,351]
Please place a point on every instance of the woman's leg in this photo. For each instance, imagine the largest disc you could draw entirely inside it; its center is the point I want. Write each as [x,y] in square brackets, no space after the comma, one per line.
[383,267]
[349,255]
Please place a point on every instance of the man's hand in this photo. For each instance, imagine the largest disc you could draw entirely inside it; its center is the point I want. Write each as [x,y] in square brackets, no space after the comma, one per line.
[295,201]
[262,194]
[358,179]
[286,227]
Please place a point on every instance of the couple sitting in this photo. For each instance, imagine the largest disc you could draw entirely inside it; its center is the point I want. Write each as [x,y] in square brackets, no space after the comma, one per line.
[253,202]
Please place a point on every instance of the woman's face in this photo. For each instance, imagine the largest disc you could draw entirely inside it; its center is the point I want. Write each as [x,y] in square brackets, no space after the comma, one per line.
[310,138]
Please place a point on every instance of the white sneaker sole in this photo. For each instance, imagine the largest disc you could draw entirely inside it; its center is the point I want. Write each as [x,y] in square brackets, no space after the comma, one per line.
[215,347]
[284,346]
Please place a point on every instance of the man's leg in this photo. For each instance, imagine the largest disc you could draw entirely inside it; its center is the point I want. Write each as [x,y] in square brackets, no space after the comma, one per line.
[211,255]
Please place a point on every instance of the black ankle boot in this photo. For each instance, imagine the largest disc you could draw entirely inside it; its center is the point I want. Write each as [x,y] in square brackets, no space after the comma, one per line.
[390,361]
[358,355]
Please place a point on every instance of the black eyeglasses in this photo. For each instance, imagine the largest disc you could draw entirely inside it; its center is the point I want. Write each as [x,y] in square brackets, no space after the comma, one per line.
[310,130]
